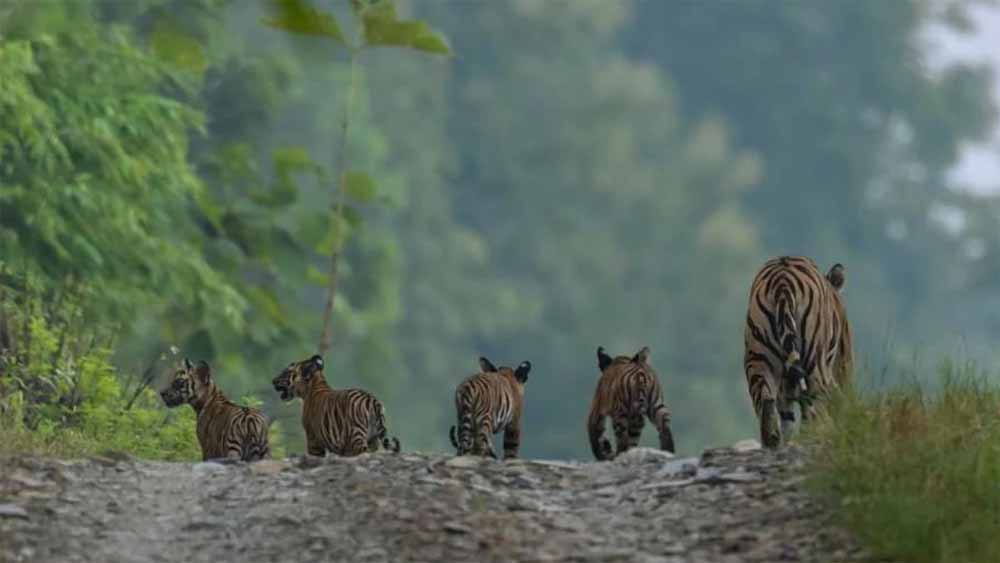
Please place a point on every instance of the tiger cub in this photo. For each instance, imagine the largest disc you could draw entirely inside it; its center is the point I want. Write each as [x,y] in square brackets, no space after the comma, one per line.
[627,391]
[346,422]
[486,403]
[224,429]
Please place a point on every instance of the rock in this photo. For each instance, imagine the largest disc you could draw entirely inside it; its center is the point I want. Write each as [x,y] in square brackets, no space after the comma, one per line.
[115,455]
[680,466]
[12,511]
[748,445]
[269,466]
[716,475]
[307,461]
[28,483]
[206,468]
[456,528]
[740,477]
[464,461]
[648,506]
[637,456]
[570,465]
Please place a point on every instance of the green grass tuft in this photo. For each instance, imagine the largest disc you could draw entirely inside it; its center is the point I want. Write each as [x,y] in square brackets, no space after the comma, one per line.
[915,471]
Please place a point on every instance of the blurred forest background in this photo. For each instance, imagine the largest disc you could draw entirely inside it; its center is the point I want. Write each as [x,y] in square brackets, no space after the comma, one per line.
[577,173]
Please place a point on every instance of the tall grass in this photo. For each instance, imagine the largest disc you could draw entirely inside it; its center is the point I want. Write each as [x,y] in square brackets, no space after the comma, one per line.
[915,470]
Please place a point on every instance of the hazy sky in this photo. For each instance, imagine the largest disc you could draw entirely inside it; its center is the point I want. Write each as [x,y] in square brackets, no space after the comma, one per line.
[979,168]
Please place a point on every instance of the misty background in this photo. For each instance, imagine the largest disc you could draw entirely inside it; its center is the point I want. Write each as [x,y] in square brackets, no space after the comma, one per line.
[579,173]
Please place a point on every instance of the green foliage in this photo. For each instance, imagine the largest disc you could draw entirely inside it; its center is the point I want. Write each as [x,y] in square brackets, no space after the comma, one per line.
[856,133]
[95,177]
[914,471]
[296,16]
[586,173]
[359,186]
[382,27]
[60,394]
[596,212]
[175,46]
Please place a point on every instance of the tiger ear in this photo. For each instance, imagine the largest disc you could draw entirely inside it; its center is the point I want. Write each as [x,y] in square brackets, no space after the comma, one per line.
[203,372]
[837,277]
[603,360]
[315,364]
[316,361]
[641,356]
[521,373]
[188,366]
[486,365]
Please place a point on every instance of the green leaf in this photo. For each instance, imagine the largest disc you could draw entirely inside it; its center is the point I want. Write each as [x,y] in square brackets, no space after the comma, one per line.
[265,302]
[293,158]
[280,195]
[383,29]
[288,162]
[312,228]
[381,9]
[339,230]
[297,16]
[432,42]
[170,44]
[359,186]
[353,218]
[316,277]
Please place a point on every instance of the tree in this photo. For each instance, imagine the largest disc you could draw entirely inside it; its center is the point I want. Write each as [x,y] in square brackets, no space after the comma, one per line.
[855,131]
[95,176]
[597,204]
[377,26]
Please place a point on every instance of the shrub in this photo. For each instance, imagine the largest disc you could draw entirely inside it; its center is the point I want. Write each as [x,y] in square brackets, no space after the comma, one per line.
[60,395]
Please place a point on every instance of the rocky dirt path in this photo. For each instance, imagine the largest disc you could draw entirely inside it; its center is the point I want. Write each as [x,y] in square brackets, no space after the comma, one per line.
[728,505]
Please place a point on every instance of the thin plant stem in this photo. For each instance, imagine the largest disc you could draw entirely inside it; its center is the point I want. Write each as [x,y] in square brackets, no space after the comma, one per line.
[337,207]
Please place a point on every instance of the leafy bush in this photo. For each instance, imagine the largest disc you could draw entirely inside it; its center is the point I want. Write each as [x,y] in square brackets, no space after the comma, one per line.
[60,394]
[914,470]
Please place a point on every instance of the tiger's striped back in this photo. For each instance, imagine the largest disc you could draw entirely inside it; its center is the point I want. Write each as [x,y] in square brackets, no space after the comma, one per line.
[486,403]
[628,390]
[346,422]
[797,342]
[224,428]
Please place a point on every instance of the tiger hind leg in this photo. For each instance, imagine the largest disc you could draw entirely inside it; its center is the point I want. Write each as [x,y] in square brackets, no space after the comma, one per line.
[465,442]
[484,441]
[660,419]
[391,443]
[256,451]
[635,424]
[314,448]
[620,425]
[786,400]
[357,443]
[511,440]
[599,445]
[770,429]
[762,394]
[786,414]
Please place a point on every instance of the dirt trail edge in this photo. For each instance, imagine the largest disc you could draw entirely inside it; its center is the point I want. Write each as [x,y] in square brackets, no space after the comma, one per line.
[727,505]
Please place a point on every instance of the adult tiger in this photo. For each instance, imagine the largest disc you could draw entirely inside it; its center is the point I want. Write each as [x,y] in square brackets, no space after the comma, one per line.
[488,402]
[225,429]
[346,422]
[627,391]
[797,342]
